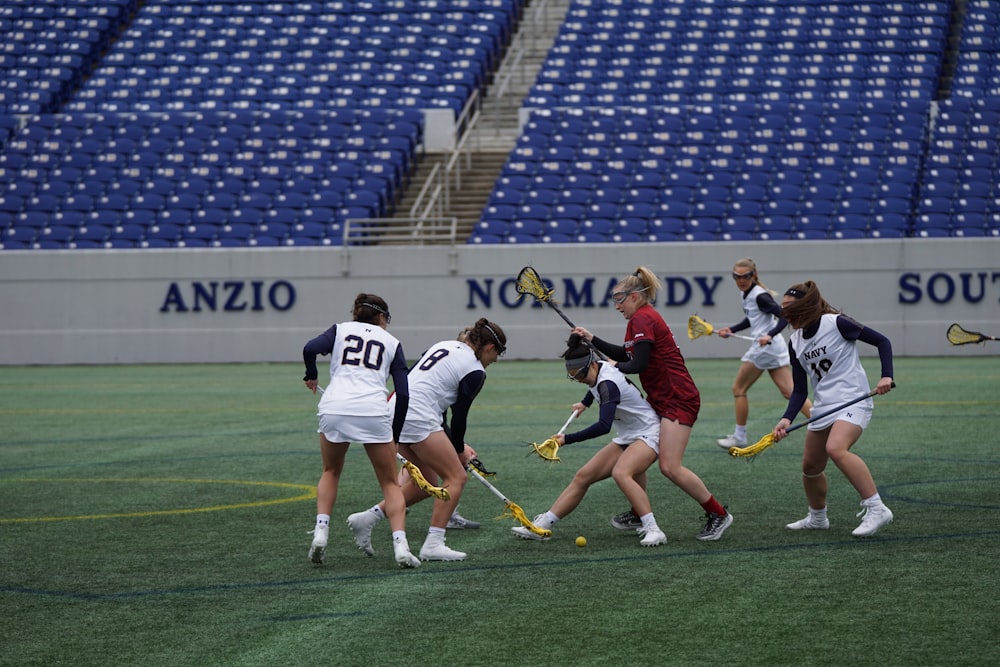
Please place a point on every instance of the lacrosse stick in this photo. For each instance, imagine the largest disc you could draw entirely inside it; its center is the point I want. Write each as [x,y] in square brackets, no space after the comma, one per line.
[698,327]
[751,451]
[529,282]
[480,468]
[959,336]
[549,449]
[512,509]
[418,477]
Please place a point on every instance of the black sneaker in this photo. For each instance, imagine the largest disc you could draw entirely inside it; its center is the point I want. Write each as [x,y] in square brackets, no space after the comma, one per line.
[626,521]
[715,526]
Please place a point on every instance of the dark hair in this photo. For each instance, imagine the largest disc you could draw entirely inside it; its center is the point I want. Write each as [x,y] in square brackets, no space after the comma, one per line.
[484,332]
[576,348]
[367,308]
[808,306]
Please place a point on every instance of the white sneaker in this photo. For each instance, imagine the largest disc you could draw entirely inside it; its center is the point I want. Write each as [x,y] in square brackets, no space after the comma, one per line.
[809,523]
[731,441]
[876,516]
[653,537]
[459,522]
[403,555]
[440,551]
[525,534]
[361,524]
[317,552]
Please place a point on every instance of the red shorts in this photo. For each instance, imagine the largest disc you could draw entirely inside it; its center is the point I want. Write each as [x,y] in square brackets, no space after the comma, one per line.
[686,414]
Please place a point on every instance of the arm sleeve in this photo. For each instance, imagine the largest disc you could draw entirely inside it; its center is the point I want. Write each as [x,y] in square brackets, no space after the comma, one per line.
[744,324]
[321,344]
[401,385]
[800,388]
[468,389]
[616,352]
[853,330]
[610,398]
[641,353]
[768,305]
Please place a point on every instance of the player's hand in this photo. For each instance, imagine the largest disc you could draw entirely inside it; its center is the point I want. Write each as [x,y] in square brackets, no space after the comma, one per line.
[781,429]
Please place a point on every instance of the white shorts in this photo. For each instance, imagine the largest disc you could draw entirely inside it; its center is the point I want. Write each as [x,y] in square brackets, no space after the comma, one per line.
[859,415]
[768,357]
[414,432]
[652,441]
[354,428]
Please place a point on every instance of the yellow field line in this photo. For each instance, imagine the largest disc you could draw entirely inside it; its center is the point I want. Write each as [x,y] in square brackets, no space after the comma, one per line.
[309,495]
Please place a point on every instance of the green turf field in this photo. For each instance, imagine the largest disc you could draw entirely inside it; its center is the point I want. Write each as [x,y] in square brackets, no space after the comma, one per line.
[158,515]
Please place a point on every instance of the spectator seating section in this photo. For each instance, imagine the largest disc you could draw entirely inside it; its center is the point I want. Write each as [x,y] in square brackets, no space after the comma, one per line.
[225,122]
[753,119]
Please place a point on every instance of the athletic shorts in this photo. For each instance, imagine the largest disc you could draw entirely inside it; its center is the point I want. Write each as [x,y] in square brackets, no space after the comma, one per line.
[415,431]
[652,441]
[854,414]
[768,357]
[686,414]
[353,428]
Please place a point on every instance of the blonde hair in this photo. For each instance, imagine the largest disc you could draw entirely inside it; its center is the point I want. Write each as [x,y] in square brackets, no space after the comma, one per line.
[643,282]
[747,263]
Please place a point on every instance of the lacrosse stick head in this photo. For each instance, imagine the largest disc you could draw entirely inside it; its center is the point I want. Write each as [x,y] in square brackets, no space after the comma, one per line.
[959,336]
[698,327]
[751,451]
[548,450]
[480,468]
[529,282]
[514,510]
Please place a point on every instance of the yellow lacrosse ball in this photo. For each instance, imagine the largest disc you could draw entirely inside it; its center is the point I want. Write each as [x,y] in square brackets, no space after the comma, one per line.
[581,541]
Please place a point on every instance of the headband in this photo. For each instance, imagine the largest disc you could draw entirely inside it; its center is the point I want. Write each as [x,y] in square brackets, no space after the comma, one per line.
[378,309]
[575,364]
[501,348]
[797,293]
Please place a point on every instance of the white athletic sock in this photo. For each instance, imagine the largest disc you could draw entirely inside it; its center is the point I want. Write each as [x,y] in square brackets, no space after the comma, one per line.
[322,519]
[398,535]
[648,522]
[817,514]
[873,501]
[378,512]
[551,518]
[740,432]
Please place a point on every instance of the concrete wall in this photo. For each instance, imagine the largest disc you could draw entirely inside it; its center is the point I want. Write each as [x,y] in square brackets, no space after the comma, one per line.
[249,305]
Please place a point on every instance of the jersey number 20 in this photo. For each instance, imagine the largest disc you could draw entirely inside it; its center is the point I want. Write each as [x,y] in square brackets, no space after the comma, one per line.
[358,351]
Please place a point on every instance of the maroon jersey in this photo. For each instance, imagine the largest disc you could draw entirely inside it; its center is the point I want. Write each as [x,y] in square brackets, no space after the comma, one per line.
[666,381]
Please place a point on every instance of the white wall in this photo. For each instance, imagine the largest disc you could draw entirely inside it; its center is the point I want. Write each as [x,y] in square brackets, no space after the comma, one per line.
[124,306]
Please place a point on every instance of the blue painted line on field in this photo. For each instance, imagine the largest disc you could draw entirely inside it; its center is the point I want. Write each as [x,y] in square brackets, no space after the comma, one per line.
[449,570]
[888,493]
[313,617]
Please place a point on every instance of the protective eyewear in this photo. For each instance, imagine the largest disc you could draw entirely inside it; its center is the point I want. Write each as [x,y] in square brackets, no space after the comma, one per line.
[742,276]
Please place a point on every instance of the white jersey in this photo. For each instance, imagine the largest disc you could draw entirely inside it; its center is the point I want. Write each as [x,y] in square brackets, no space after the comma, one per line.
[434,382]
[764,357]
[635,418]
[359,370]
[832,364]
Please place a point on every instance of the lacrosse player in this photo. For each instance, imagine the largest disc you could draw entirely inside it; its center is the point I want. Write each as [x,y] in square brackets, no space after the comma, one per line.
[768,353]
[449,374]
[353,408]
[824,349]
[633,449]
[651,351]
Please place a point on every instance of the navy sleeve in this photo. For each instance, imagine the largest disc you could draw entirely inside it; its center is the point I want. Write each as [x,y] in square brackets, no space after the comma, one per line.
[321,344]
[610,350]
[854,330]
[401,386]
[768,305]
[800,388]
[641,352]
[610,398]
[468,389]
[744,324]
